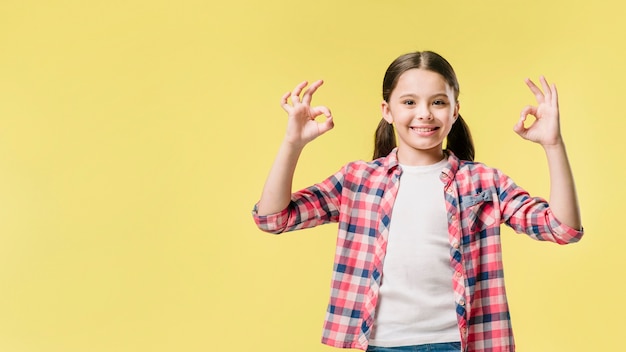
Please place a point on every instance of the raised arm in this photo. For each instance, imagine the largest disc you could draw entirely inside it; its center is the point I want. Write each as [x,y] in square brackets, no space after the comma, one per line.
[301,129]
[546,131]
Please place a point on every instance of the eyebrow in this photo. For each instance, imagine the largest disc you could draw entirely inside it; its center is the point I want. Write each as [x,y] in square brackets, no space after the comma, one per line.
[407,95]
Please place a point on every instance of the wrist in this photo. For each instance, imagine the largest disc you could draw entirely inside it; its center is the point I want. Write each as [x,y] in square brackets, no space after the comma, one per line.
[555,151]
[292,146]
[558,144]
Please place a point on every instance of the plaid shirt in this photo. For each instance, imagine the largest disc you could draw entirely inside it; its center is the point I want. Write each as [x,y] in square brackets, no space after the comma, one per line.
[478,199]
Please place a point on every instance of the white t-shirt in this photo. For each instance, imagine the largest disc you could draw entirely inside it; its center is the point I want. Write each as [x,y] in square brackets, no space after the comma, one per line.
[416,299]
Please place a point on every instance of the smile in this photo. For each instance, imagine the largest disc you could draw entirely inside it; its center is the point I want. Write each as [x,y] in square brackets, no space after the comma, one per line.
[424,129]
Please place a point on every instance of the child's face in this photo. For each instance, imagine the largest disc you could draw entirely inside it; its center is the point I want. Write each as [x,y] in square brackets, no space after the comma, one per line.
[422,109]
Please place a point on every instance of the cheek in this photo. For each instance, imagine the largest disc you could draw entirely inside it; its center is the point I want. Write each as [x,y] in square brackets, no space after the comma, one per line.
[449,120]
[447,131]
[400,115]
[446,115]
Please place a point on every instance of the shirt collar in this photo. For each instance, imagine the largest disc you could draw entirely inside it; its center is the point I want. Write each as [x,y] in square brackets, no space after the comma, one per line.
[451,168]
[390,162]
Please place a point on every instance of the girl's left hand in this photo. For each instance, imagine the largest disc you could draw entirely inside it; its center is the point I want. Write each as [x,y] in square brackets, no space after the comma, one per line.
[545,130]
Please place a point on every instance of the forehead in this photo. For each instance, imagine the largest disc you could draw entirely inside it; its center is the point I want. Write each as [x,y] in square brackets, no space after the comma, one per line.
[420,81]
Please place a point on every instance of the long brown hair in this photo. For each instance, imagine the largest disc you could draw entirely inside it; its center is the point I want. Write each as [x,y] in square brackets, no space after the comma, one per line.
[459,140]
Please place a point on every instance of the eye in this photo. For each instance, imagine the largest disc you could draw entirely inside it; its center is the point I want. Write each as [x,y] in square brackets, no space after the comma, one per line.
[439,102]
[408,102]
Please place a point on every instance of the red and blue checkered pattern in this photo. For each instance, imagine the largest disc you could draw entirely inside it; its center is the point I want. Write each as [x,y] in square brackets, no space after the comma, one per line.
[478,198]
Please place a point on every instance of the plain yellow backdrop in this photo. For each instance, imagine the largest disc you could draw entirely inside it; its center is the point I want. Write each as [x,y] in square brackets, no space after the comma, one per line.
[135,137]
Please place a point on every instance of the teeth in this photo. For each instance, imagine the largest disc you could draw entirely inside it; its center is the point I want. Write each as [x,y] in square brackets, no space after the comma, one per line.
[423,129]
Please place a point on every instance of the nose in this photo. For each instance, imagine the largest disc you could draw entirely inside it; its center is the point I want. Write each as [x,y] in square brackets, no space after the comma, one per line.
[423,112]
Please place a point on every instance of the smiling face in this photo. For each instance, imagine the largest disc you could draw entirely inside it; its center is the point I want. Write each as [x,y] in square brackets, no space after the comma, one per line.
[422,108]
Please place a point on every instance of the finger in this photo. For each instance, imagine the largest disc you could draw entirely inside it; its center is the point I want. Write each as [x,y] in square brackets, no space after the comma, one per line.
[555,96]
[519,127]
[284,103]
[326,125]
[308,94]
[536,91]
[547,92]
[321,110]
[528,110]
[295,93]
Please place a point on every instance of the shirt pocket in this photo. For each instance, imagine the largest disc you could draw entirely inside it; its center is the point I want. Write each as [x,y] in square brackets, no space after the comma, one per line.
[478,213]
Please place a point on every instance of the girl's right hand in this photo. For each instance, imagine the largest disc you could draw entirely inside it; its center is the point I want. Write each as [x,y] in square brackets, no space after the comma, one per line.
[301,125]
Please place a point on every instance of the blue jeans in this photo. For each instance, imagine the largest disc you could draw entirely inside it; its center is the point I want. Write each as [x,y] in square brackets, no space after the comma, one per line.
[431,347]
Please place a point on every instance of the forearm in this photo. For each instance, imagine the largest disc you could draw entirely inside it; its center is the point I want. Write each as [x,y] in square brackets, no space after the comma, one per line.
[277,190]
[563,200]
[301,129]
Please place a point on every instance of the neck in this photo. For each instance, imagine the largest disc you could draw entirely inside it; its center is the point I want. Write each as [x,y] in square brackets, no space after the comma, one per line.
[412,157]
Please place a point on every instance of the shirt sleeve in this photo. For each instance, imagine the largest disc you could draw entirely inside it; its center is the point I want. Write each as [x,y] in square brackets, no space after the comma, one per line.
[309,207]
[532,215]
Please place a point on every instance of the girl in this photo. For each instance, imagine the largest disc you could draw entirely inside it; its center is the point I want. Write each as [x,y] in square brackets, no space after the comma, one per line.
[418,261]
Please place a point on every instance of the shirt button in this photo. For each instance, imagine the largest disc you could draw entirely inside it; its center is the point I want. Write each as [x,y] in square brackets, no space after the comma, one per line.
[462,302]
[458,274]
[456,245]
[464,330]
[453,217]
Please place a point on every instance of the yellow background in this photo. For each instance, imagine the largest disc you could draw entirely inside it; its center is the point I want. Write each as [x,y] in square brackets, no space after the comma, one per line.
[135,136]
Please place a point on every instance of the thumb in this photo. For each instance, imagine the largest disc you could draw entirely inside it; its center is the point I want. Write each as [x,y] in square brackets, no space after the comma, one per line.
[519,126]
[326,125]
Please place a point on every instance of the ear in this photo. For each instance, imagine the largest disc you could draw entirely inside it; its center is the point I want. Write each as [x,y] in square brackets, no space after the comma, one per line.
[384,107]
[456,110]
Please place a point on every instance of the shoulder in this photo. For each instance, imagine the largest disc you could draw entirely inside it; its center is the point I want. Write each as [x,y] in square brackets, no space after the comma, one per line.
[375,165]
[365,172]
[476,166]
[361,167]
[474,171]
